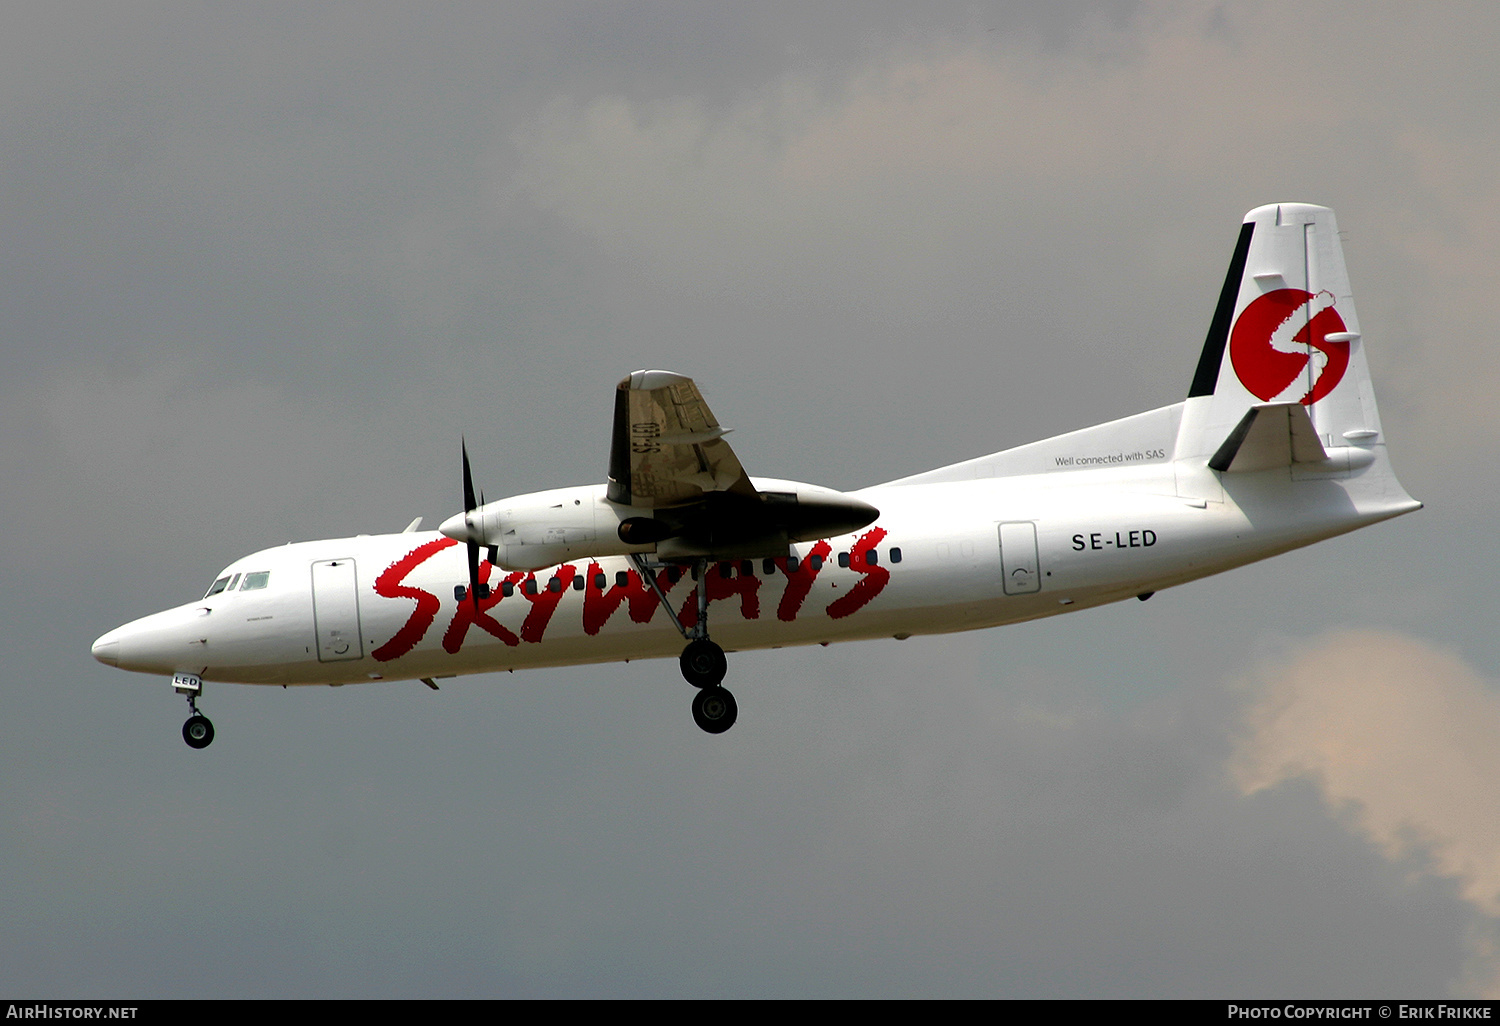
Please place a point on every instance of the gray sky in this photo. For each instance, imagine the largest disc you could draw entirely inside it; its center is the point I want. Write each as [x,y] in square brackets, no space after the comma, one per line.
[262,266]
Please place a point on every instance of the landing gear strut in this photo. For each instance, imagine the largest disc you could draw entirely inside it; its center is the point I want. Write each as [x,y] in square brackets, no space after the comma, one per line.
[198,731]
[702,662]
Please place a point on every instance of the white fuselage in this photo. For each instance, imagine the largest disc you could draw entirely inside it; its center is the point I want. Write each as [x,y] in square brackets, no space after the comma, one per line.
[950,555]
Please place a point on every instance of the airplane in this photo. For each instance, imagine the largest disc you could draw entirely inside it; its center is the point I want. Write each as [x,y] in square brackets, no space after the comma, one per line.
[1277,445]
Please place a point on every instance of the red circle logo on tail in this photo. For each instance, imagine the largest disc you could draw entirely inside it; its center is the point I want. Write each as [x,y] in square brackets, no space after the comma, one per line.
[1273,339]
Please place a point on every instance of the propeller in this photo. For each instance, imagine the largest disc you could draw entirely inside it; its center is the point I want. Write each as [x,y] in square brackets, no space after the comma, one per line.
[473,545]
[465,528]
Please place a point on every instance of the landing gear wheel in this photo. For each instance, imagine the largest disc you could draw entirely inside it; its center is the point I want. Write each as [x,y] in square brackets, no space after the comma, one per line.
[198,732]
[714,709]
[703,664]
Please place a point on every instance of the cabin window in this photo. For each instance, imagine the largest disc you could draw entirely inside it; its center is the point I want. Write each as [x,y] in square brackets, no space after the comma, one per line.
[872,558]
[219,585]
[530,586]
[792,563]
[816,562]
[726,569]
[578,582]
[674,574]
[599,581]
[555,585]
[843,559]
[896,555]
[459,591]
[507,589]
[622,578]
[768,566]
[256,581]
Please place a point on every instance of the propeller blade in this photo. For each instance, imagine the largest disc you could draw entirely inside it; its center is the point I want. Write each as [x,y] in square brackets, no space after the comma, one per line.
[473,545]
[474,573]
[468,479]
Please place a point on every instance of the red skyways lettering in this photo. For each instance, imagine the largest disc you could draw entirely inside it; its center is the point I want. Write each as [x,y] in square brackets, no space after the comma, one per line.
[543,601]
[800,581]
[476,613]
[599,604]
[389,585]
[871,584]
[723,581]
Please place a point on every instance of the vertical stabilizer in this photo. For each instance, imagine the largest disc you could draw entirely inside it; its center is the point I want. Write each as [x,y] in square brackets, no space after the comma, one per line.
[1284,333]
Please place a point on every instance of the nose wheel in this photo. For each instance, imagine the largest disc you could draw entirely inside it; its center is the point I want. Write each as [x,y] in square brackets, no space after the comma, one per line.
[198,731]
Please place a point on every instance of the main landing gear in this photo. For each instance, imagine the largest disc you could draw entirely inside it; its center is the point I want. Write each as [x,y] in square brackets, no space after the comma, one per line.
[198,731]
[714,709]
[702,662]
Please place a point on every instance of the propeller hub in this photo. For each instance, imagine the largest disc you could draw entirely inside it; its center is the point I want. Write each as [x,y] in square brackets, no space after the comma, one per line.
[459,527]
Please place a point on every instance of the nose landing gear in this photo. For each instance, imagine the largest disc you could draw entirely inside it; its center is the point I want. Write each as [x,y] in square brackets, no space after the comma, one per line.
[198,731]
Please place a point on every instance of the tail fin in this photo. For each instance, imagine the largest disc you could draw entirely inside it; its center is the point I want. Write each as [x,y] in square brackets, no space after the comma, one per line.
[1284,349]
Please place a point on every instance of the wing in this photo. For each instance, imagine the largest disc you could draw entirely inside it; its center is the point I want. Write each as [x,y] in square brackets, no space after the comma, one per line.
[668,450]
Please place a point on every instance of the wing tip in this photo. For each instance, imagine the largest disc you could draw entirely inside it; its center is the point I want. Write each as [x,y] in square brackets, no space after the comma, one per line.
[649,380]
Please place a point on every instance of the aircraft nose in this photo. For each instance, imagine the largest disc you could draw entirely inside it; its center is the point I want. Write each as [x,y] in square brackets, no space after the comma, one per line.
[107,649]
[160,643]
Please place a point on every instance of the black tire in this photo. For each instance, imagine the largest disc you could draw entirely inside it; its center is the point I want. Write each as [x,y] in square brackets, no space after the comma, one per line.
[198,732]
[703,663]
[714,710]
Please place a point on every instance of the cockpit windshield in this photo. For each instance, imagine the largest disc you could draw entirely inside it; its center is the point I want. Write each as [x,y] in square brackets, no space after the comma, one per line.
[252,582]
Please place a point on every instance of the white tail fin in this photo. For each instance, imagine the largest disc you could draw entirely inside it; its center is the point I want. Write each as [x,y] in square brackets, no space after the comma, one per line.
[1284,338]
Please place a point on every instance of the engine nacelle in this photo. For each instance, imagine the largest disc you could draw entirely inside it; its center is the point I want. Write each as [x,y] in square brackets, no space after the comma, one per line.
[542,529]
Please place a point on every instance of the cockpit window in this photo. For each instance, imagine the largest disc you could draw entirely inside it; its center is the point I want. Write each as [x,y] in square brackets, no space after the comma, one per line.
[219,585]
[256,581]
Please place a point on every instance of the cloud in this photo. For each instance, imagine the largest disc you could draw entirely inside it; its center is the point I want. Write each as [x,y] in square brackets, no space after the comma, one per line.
[1399,738]
[957,137]
[940,178]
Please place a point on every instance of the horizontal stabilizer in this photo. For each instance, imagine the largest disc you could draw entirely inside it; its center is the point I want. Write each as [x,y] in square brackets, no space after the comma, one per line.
[1269,436]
